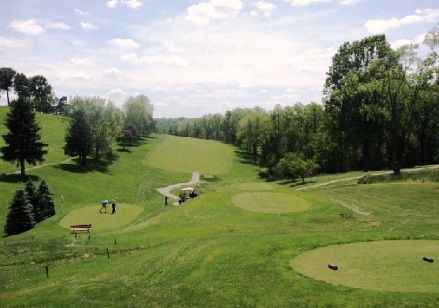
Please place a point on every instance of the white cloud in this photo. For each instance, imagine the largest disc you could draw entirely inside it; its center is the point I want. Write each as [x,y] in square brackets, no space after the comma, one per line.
[12,43]
[112,71]
[87,26]
[156,59]
[117,92]
[112,3]
[265,7]
[304,2]
[347,2]
[125,43]
[399,43]
[82,76]
[133,4]
[30,27]
[382,25]
[203,12]
[76,62]
[58,25]
[78,11]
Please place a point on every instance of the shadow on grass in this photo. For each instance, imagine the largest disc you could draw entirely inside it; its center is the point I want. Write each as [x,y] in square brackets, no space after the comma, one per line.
[17,178]
[91,165]
[245,157]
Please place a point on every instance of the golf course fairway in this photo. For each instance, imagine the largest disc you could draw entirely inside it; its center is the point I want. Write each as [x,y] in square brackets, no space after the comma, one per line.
[270,202]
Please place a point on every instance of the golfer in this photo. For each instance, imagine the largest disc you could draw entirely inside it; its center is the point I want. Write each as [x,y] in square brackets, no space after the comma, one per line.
[113,205]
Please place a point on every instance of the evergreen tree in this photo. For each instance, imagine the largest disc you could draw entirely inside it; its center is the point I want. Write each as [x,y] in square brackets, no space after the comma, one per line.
[34,199]
[23,139]
[79,138]
[47,204]
[20,217]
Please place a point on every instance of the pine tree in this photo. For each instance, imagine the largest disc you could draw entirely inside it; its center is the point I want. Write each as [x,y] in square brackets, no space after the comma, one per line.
[20,217]
[23,139]
[35,200]
[47,204]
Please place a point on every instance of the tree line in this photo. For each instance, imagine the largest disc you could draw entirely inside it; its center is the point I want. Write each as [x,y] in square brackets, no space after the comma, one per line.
[94,126]
[380,110]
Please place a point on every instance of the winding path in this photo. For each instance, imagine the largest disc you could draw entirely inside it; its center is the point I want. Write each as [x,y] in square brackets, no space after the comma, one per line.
[166,191]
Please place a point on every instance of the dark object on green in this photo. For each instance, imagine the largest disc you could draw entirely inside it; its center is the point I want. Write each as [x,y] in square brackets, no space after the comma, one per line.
[428,259]
[333,267]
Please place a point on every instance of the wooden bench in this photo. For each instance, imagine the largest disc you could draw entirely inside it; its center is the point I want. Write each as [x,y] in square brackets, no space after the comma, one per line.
[83,227]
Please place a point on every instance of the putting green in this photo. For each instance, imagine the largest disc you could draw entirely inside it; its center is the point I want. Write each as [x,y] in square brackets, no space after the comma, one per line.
[382,265]
[91,215]
[270,202]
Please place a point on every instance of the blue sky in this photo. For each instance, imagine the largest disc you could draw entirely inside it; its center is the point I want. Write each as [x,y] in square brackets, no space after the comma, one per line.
[195,57]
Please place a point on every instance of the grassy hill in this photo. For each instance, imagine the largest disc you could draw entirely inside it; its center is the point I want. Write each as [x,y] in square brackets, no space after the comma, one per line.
[243,242]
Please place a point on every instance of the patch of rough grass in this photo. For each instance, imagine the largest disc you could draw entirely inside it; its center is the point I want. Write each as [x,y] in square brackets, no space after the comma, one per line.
[414,176]
[382,265]
[125,213]
[255,186]
[263,202]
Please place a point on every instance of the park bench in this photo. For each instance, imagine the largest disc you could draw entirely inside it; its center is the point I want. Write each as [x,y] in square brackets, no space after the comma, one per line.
[83,227]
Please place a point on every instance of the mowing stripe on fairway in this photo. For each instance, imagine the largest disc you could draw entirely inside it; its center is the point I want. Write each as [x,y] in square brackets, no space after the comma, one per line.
[270,202]
[381,265]
[190,154]
[91,215]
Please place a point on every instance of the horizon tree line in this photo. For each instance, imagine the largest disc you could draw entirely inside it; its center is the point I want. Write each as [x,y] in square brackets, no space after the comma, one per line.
[380,110]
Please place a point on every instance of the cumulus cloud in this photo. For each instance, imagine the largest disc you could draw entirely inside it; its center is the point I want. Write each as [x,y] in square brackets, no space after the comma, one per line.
[382,25]
[304,2]
[112,71]
[117,92]
[77,62]
[30,27]
[12,43]
[87,26]
[78,11]
[58,25]
[125,43]
[266,8]
[133,4]
[82,76]
[203,12]
[156,59]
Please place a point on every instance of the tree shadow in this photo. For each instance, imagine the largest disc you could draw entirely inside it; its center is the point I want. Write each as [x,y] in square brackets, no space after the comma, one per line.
[245,157]
[91,165]
[17,178]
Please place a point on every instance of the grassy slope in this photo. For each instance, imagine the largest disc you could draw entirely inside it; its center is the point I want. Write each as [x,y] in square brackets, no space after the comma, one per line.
[207,252]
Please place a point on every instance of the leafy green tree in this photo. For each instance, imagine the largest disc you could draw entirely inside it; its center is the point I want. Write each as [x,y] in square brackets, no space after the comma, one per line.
[40,91]
[253,129]
[47,203]
[138,111]
[22,85]
[293,165]
[20,217]
[6,80]
[34,199]
[79,138]
[127,135]
[351,99]
[23,139]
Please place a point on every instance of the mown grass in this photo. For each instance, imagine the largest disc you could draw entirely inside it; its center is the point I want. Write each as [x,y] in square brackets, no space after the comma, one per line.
[207,252]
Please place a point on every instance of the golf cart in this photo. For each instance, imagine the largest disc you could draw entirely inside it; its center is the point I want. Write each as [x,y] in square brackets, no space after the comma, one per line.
[187,193]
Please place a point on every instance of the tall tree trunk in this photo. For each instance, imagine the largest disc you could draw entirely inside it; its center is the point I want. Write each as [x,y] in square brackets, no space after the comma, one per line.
[23,167]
